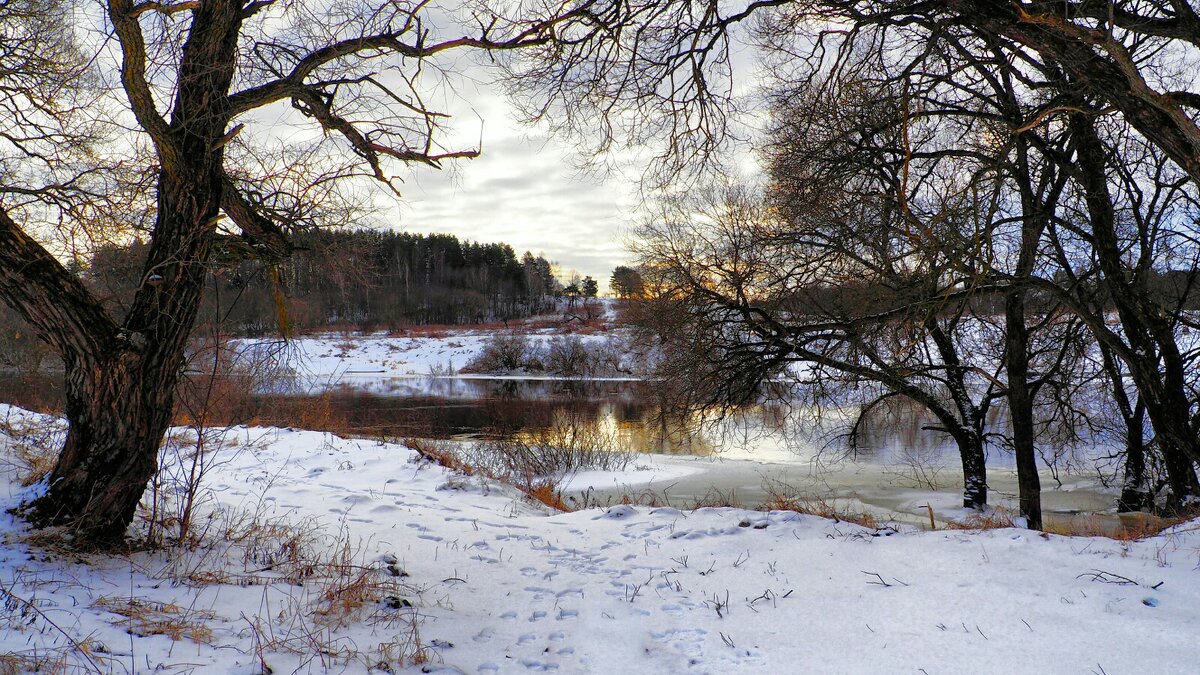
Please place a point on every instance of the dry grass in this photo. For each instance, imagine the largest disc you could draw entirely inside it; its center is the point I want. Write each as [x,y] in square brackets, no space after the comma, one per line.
[1130,527]
[646,497]
[819,507]
[320,582]
[715,498]
[35,462]
[547,492]
[57,650]
[441,454]
[33,447]
[39,661]
[539,488]
[144,618]
[992,520]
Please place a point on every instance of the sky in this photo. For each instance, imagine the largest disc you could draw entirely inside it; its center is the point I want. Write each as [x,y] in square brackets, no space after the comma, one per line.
[525,190]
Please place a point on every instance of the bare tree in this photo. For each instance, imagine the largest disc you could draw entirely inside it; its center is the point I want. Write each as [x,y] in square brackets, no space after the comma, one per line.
[1009,89]
[203,88]
[840,302]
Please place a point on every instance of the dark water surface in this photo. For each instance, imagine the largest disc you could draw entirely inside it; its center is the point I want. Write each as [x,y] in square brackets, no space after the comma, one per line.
[627,411]
[898,451]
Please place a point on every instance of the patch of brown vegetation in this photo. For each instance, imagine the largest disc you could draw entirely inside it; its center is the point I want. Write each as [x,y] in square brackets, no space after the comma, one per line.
[815,506]
[1131,527]
[144,618]
[993,520]
[547,492]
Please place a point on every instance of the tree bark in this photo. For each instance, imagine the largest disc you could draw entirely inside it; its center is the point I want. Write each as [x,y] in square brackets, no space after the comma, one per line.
[117,414]
[1020,407]
[1135,493]
[974,465]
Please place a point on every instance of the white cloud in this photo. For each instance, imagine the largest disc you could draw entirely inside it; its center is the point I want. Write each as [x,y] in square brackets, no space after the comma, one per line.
[525,189]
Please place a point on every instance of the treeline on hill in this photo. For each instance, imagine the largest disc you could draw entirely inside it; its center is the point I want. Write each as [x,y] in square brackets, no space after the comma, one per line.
[1178,289]
[360,278]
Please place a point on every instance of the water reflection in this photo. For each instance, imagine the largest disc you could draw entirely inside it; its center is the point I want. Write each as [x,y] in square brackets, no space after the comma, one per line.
[897,435]
[629,412]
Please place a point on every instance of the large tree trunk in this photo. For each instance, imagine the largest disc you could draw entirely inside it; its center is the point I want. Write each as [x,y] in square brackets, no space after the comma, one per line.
[975,487]
[974,466]
[120,393]
[1135,493]
[117,414]
[120,387]
[1036,204]
[1135,490]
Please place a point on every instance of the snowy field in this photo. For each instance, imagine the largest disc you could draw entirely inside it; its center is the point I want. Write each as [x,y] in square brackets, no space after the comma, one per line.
[375,362]
[322,554]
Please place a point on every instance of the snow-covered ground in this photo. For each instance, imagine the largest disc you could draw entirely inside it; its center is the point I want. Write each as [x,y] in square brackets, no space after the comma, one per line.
[481,581]
[374,362]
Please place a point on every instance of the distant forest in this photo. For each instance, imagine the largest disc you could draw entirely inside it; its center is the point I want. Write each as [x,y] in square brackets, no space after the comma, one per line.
[360,278]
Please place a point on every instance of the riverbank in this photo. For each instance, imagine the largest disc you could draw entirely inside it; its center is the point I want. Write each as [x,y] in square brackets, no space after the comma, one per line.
[382,362]
[322,554]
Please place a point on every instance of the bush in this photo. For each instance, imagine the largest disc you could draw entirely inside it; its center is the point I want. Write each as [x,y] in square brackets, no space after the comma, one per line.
[564,447]
[505,353]
[568,356]
[565,356]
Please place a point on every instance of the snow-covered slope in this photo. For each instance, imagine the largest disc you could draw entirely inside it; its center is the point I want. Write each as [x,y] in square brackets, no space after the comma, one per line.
[499,585]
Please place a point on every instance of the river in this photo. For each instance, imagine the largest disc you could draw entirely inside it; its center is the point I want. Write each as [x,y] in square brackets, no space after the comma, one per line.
[902,469]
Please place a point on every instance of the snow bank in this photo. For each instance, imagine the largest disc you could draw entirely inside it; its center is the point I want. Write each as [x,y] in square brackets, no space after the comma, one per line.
[498,585]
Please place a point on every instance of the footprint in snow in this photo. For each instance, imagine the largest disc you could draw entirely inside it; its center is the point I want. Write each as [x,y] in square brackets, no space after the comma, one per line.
[679,635]
[526,638]
[618,512]
[484,635]
[537,616]
[509,615]
[540,666]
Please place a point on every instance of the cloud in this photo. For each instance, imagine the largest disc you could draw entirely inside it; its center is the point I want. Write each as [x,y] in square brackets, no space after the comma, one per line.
[525,190]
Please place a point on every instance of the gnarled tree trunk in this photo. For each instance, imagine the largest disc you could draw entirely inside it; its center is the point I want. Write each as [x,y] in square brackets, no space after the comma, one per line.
[117,414]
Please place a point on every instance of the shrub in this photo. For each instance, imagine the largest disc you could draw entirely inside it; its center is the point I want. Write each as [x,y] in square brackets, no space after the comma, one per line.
[564,447]
[568,356]
[504,353]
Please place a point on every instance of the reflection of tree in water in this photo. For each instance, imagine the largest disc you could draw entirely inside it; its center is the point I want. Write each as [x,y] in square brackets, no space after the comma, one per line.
[899,433]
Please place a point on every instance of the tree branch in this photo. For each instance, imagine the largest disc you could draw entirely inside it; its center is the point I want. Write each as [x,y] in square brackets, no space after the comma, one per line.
[51,299]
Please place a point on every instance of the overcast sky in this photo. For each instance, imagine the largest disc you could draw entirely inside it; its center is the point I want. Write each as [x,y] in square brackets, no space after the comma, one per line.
[525,190]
